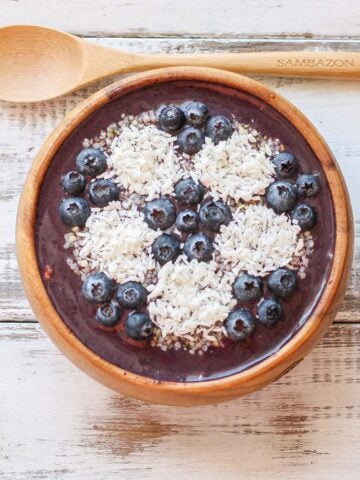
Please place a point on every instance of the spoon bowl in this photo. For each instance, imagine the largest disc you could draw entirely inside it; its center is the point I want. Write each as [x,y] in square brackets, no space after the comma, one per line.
[38,63]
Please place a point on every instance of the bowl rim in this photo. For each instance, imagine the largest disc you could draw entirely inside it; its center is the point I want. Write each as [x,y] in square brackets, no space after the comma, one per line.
[26,245]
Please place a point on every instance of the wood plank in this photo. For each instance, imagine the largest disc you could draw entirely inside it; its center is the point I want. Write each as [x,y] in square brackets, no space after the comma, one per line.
[331,105]
[284,18]
[57,423]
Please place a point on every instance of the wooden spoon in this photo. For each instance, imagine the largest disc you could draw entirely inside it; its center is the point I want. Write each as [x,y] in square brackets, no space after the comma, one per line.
[40,63]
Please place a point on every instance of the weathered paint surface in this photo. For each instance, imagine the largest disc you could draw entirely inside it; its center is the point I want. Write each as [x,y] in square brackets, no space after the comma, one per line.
[56,423]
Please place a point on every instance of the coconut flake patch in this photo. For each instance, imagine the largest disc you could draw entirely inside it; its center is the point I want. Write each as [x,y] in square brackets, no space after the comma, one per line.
[144,161]
[116,242]
[190,300]
[238,168]
[258,241]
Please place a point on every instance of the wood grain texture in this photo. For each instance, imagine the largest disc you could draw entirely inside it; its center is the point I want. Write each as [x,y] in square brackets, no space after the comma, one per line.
[330,105]
[285,18]
[305,426]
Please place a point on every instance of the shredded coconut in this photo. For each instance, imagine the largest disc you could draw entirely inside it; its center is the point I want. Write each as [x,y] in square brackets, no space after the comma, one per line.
[191,300]
[116,242]
[144,161]
[236,168]
[258,241]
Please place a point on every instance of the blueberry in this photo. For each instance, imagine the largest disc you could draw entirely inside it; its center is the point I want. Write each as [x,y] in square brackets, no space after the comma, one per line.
[199,247]
[269,312]
[282,282]
[102,192]
[108,314]
[159,213]
[286,165]
[74,211]
[189,192]
[73,183]
[166,248]
[97,288]
[248,288]
[308,185]
[91,161]
[213,214]
[131,295]
[240,324]
[218,128]
[139,326]
[281,196]
[304,215]
[171,119]
[190,140]
[196,113]
[187,221]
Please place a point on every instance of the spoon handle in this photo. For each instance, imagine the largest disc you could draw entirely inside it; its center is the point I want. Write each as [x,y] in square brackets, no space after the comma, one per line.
[297,64]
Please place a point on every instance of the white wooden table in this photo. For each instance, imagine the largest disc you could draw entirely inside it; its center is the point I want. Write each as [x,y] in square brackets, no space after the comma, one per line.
[55,423]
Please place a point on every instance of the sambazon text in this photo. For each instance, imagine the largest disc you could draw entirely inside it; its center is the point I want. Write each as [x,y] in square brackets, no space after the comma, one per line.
[314,62]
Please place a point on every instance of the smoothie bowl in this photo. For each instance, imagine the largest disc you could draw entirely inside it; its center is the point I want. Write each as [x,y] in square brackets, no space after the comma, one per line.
[185,236]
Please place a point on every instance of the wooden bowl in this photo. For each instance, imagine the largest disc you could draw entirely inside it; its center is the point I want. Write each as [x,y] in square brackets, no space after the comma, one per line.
[202,392]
